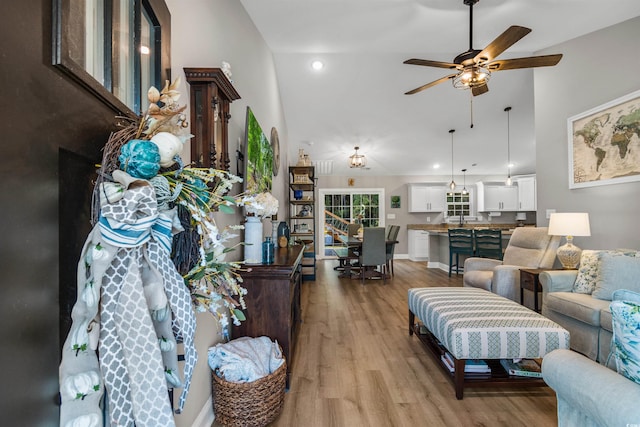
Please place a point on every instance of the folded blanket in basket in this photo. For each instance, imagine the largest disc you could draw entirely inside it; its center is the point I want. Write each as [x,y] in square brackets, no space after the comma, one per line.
[245,359]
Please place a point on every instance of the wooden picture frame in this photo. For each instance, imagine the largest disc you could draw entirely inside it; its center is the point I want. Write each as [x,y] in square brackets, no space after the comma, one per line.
[604,143]
[69,50]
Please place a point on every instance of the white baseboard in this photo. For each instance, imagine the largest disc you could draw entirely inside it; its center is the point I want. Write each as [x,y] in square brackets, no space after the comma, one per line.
[436,264]
[206,417]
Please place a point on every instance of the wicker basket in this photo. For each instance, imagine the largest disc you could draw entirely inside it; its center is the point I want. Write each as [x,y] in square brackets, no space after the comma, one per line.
[253,404]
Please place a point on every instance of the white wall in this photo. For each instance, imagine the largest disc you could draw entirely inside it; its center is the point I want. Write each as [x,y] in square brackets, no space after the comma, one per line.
[203,34]
[595,69]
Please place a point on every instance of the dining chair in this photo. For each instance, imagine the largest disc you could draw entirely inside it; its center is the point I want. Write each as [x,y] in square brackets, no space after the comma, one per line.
[392,238]
[387,230]
[460,243]
[488,243]
[373,254]
[352,230]
[345,255]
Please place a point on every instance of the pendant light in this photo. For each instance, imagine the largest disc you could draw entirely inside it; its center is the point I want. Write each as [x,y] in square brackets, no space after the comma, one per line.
[508,182]
[464,182]
[452,184]
[357,160]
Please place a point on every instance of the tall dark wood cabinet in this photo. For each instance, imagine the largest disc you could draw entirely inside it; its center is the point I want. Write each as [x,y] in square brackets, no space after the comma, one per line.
[273,301]
[210,93]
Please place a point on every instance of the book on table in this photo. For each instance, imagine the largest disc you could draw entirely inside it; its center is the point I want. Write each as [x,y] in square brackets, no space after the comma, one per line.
[471,366]
[522,367]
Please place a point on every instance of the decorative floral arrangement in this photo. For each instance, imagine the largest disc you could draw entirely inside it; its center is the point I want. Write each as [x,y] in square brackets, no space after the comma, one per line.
[199,251]
[262,205]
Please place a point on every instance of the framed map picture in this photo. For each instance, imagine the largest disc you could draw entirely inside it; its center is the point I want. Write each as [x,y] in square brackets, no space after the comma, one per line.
[604,143]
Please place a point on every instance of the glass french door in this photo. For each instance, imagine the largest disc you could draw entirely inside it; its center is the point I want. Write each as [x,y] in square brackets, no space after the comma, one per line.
[340,207]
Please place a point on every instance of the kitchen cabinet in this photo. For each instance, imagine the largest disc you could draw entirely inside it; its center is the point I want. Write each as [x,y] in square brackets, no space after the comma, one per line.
[497,197]
[418,245]
[526,193]
[427,198]
[273,301]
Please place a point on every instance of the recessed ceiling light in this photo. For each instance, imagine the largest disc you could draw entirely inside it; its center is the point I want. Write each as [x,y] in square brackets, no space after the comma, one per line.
[317,65]
[436,166]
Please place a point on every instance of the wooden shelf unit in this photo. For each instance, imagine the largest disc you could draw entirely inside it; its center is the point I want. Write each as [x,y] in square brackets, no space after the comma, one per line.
[303,227]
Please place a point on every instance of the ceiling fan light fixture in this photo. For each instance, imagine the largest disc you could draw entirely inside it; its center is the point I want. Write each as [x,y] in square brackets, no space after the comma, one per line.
[474,66]
[357,160]
[472,76]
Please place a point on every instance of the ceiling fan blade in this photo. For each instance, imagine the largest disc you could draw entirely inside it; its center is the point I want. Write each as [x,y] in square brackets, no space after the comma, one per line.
[479,90]
[428,63]
[502,43]
[528,62]
[428,85]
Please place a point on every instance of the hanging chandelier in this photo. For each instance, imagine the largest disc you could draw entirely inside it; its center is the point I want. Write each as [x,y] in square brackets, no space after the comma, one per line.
[452,184]
[357,160]
[508,182]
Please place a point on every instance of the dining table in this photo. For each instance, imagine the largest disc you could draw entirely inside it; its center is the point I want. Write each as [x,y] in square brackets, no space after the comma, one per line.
[350,252]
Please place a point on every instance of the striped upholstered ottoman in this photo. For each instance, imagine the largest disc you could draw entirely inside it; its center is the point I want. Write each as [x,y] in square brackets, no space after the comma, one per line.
[472,323]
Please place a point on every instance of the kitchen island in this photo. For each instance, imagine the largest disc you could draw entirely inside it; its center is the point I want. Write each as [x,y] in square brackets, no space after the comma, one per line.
[433,241]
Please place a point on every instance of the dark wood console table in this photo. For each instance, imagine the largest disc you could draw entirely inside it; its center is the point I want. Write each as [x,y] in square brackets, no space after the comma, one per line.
[273,300]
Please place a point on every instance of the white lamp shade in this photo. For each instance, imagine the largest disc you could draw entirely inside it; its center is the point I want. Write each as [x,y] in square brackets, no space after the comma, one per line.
[569,224]
[521,216]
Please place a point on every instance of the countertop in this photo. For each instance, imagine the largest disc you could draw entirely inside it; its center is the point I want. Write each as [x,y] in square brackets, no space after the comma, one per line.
[443,229]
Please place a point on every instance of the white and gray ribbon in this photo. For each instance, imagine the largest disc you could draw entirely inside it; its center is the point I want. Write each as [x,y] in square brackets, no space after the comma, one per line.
[134,238]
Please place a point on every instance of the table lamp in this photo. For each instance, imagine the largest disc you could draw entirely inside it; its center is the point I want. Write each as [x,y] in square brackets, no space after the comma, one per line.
[569,225]
[521,217]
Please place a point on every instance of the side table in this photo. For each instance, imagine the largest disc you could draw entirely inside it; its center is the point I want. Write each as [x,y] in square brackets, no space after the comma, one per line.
[530,280]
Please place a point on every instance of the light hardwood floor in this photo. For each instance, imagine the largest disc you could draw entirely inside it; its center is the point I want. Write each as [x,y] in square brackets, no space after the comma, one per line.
[356,365]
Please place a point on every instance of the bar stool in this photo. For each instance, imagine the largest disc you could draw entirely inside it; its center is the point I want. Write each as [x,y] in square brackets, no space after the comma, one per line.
[460,243]
[488,243]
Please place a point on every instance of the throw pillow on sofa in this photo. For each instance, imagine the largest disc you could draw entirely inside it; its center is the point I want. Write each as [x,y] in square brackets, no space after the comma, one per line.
[625,316]
[587,272]
[589,268]
[616,271]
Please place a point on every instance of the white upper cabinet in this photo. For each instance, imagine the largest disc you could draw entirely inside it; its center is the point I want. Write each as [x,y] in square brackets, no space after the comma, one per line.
[527,193]
[427,198]
[497,197]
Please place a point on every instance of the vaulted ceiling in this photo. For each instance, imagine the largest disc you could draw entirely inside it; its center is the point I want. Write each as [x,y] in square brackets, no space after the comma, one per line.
[358,98]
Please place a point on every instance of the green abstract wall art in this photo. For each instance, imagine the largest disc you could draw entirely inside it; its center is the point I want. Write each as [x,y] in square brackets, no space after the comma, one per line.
[259,157]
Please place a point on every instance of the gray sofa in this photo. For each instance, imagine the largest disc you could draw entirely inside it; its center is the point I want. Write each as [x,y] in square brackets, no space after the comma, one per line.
[582,306]
[589,394]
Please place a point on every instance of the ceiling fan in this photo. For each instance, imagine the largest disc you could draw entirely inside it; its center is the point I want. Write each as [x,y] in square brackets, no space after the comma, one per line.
[474,67]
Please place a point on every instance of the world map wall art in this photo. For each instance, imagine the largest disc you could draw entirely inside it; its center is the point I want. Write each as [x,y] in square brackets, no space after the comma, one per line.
[604,143]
